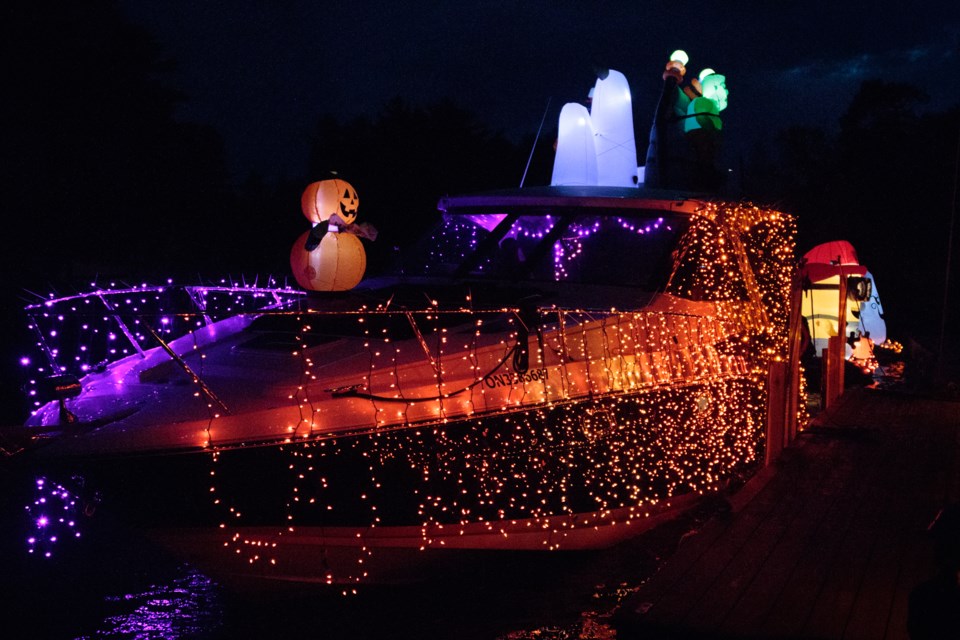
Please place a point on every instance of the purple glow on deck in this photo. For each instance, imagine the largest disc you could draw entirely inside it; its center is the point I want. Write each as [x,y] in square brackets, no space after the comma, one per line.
[83,333]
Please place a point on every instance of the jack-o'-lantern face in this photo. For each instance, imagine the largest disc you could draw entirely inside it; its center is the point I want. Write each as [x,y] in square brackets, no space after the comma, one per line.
[348,204]
[322,199]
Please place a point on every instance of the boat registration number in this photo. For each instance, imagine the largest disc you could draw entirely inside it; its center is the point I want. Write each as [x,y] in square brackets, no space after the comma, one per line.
[513,378]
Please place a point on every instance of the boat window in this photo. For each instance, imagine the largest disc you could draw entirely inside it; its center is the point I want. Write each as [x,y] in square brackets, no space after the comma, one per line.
[708,265]
[286,331]
[78,334]
[83,333]
[584,249]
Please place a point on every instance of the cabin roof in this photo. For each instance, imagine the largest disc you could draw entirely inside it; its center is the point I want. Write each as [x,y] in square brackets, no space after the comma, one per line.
[557,199]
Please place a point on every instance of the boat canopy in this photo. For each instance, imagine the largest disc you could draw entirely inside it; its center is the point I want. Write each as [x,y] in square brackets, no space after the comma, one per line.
[823,267]
[835,252]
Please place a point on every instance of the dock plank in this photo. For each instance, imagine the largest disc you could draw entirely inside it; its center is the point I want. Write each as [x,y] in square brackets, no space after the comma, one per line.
[787,559]
[831,545]
[792,607]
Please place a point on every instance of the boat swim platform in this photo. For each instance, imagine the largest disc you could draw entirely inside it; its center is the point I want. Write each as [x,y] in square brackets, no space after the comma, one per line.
[826,542]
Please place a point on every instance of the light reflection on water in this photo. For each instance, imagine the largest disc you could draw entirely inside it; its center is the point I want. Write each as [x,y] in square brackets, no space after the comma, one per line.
[110,584]
[187,606]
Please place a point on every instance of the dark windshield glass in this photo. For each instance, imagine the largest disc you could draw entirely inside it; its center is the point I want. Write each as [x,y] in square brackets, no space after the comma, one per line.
[583,249]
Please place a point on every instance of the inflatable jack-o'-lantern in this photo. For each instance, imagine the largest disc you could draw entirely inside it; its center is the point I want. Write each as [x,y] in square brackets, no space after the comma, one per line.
[337,263]
[322,199]
[330,256]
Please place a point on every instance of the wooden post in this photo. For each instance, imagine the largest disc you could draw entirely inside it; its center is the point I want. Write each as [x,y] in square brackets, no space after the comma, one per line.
[794,343]
[842,324]
[833,370]
[776,411]
[836,353]
[841,351]
[783,382]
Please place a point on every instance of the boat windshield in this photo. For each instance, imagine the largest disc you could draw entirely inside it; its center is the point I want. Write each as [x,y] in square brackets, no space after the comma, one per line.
[629,251]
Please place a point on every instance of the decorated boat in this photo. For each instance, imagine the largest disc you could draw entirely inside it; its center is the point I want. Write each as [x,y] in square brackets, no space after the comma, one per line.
[558,368]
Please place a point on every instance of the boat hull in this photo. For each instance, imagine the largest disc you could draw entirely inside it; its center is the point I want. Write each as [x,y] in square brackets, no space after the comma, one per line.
[369,508]
[256,558]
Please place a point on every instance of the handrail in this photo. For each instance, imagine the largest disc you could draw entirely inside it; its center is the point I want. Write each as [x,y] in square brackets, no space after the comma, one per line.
[183,365]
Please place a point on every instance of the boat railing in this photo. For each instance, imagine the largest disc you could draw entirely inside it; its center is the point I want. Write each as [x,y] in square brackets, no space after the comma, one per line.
[83,333]
[78,335]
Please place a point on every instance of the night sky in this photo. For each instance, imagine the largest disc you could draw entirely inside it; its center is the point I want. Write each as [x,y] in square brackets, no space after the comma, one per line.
[257,76]
[262,71]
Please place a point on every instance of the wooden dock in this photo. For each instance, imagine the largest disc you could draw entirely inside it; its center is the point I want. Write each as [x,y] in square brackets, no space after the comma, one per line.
[826,543]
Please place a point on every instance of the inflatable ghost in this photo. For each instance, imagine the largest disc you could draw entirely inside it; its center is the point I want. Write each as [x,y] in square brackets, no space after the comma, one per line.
[871,314]
[597,147]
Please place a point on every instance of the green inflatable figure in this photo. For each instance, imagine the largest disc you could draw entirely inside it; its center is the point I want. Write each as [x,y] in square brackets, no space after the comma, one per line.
[704,112]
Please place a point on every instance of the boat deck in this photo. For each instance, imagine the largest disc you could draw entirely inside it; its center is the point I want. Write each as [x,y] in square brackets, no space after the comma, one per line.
[827,543]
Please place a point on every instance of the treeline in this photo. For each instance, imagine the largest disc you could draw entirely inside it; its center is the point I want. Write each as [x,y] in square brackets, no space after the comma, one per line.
[403,160]
[102,180]
[886,181]
[97,170]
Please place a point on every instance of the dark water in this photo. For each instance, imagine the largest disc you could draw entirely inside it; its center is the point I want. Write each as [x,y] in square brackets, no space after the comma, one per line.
[107,582]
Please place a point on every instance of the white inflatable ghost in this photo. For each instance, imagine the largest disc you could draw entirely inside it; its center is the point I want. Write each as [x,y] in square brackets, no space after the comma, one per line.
[871,315]
[598,147]
[576,159]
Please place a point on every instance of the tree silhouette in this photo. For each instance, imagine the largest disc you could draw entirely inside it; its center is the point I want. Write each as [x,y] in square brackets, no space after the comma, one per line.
[885,183]
[403,160]
[100,179]
[102,176]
